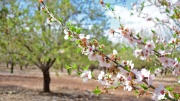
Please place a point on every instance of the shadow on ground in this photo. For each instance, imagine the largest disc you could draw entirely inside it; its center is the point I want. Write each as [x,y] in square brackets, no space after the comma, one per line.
[17,93]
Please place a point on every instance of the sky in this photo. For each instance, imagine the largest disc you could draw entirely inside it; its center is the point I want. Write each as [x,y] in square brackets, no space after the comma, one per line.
[127,3]
[125,6]
[134,21]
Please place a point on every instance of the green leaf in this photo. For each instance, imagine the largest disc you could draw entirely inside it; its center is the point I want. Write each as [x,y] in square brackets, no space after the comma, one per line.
[86,68]
[162,47]
[136,92]
[145,40]
[127,68]
[67,67]
[175,11]
[173,16]
[176,95]
[169,88]
[74,66]
[78,50]
[142,6]
[138,35]
[144,86]
[78,30]
[124,46]
[131,14]
[178,60]
[175,35]
[108,5]
[73,28]
[119,18]
[78,73]
[69,24]
[69,71]
[153,31]
[112,9]
[97,91]
[167,10]
[60,19]
[157,19]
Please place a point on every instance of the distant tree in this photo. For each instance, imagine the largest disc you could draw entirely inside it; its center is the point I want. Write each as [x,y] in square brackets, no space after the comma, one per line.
[27,36]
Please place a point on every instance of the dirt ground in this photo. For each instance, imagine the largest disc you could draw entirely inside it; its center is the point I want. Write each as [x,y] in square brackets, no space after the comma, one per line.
[26,85]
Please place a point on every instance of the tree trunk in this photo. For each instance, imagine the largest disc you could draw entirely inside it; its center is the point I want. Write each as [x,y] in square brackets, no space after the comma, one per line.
[26,65]
[47,80]
[7,64]
[62,68]
[21,67]
[12,67]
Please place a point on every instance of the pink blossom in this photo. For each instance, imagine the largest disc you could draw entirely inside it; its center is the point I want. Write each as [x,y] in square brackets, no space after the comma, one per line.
[115,52]
[163,53]
[88,50]
[103,62]
[157,71]
[167,62]
[101,75]
[144,53]
[86,75]
[123,71]
[128,63]
[163,59]
[119,75]
[176,69]
[81,36]
[66,32]
[159,93]
[132,41]
[127,86]
[150,45]
[93,56]
[102,78]
[138,52]
[172,40]
[144,74]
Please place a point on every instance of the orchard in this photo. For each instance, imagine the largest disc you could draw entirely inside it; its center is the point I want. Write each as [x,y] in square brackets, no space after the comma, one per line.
[158,45]
[121,73]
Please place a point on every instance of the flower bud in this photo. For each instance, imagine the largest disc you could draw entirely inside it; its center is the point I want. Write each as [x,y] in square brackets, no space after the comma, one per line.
[40,1]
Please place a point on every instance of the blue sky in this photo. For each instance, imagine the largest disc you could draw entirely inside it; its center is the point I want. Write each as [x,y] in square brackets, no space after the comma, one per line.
[126,5]
[127,2]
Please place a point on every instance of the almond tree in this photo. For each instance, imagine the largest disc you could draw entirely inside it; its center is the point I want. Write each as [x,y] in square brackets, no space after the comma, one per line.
[9,20]
[35,41]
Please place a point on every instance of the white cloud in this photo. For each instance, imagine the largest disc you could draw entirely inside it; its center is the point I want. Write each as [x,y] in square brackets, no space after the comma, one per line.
[139,23]
[131,21]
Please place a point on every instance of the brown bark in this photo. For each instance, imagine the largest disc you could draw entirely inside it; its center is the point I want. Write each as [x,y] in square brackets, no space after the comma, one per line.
[47,80]
[12,68]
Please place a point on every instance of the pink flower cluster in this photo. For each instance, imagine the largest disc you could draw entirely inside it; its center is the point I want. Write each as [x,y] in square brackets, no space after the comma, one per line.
[145,51]
[173,64]
[144,75]
[124,74]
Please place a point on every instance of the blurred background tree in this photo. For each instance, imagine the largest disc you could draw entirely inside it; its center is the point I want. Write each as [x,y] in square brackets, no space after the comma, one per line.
[27,37]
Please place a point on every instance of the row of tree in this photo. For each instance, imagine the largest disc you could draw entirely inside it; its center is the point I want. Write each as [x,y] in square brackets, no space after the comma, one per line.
[27,36]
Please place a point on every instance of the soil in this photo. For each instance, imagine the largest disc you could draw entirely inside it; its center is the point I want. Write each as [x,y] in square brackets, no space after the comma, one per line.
[26,85]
